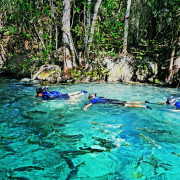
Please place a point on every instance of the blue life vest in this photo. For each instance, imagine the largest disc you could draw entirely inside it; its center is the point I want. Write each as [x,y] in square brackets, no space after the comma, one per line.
[99,100]
[53,95]
[107,101]
[177,104]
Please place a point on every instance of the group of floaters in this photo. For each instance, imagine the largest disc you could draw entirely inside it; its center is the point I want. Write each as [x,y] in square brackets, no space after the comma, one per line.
[45,94]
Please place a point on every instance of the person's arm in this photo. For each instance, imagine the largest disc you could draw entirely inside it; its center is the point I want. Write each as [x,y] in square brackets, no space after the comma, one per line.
[85,107]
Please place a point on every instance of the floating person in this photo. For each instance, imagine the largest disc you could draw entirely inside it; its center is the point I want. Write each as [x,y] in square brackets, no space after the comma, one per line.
[47,95]
[170,100]
[103,100]
[174,101]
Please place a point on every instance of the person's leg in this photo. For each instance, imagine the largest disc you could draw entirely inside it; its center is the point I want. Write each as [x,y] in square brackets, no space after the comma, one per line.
[136,102]
[74,93]
[176,110]
[134,105]
[116,101]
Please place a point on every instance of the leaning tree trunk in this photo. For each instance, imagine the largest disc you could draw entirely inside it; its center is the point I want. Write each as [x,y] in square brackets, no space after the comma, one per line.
[137,27]
[53,15]
[175,39]
[171,65]
[126,26]
[67,38]
[93,23]
[2,51]
[88,23]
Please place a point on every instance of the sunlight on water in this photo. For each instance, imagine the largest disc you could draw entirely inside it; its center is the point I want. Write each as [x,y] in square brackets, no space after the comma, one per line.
[59,140]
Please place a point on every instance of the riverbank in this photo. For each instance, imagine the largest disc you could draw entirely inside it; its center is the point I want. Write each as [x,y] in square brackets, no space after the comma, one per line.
[74,81]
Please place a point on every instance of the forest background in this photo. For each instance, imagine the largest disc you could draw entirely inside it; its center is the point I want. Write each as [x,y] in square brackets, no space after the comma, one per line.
[91,40]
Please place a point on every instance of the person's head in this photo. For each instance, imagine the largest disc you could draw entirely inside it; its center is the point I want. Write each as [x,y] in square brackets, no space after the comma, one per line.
[41,90]
[171,100]
[92,96]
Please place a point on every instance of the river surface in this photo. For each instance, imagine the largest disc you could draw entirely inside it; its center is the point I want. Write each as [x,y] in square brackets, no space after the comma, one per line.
[58,140]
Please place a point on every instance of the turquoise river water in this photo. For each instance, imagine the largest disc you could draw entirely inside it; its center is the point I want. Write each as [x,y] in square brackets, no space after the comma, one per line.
[58,140]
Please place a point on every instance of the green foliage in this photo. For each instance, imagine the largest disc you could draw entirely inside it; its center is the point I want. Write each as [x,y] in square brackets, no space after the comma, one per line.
[84,2]
[9,30]
[108,30]
[26,34]
[76,73]
[139,54]
[152,24]
[157,80]
[111,53]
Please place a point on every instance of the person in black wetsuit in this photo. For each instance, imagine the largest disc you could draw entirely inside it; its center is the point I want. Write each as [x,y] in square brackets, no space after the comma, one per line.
[103,100]
[46,95]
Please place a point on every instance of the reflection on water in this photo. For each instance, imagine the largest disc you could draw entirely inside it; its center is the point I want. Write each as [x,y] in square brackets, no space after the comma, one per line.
[58,140]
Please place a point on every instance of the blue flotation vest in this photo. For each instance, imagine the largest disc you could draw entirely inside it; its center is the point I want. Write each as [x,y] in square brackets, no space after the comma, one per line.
[107,101]
[53,95]
[177,104]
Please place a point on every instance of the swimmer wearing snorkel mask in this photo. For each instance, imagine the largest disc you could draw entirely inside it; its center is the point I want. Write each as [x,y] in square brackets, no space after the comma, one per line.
[45,94]
[103,100]
[174,101]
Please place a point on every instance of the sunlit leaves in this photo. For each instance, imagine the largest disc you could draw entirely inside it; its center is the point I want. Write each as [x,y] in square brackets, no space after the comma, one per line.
[84,2]
[27,34]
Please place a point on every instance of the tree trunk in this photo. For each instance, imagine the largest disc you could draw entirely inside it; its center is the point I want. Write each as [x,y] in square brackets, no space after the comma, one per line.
[67,38]
[137,28]
[1,21]
[120,7]
[175,40]
[53,15]
[171,64]
[88,23]
[2,51]
[126,26]
[93,23]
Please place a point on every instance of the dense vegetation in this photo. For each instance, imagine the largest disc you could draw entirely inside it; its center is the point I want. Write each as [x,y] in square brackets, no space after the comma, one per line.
[73,39]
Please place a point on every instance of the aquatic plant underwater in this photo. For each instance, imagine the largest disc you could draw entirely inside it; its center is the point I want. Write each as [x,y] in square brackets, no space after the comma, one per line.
[57,139]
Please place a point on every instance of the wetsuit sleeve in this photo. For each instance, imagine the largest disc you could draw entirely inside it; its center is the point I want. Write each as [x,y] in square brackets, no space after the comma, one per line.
[64,96]
[93,101]
[177,104]
[45,97]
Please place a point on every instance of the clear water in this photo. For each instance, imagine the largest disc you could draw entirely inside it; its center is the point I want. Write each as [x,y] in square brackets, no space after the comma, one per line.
[57,140]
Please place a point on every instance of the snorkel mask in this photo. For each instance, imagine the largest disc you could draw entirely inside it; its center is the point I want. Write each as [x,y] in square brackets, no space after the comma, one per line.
[92,96]
[42,90]
[171,100]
